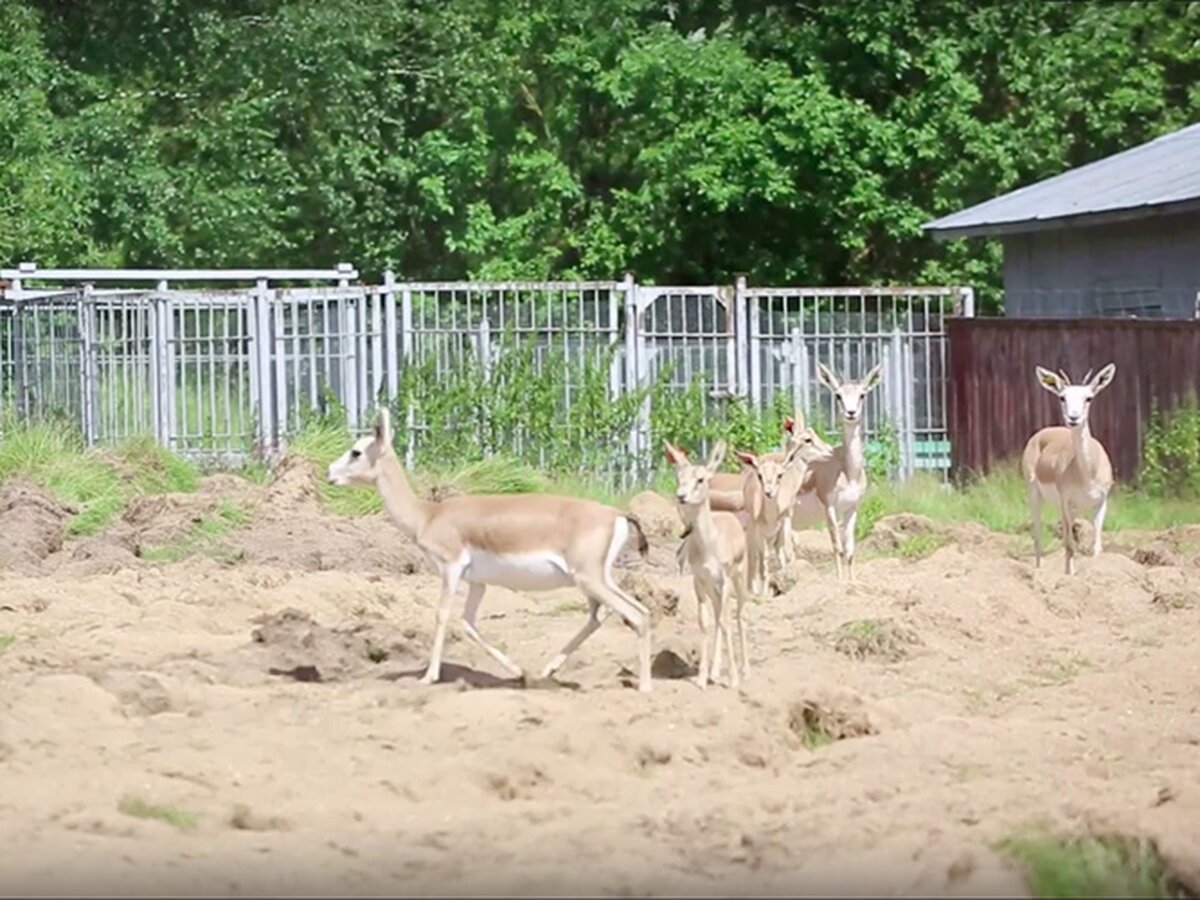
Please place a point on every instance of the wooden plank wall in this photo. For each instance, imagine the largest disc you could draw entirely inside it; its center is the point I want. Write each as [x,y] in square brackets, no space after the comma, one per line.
[995,402]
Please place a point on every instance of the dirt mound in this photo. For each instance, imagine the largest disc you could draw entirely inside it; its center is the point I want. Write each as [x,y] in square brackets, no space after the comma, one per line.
[883,639]
[662,599]
[892,532]
[32,523]
[102,554]
[290,643]
[318,544]
[825,715]
[656,514]
[295,488]
[157,520]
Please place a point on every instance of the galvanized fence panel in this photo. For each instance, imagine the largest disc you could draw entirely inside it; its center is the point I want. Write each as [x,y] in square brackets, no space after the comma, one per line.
[549,371]
[459,338]
[850,330]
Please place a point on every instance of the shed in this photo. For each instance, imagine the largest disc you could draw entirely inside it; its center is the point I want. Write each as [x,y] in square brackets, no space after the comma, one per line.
[1116,237]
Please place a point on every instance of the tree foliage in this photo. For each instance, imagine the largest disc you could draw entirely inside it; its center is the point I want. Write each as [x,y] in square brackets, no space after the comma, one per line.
[686,140]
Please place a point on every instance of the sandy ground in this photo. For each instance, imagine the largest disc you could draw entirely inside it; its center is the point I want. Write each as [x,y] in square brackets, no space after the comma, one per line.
[268,699]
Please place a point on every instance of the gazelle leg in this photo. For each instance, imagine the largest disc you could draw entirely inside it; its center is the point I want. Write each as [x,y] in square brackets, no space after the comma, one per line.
[450,577]
[596,618]
[1068,528]
[632,611]
[1035,516]
[835,536]
[470,611]
[725,631]
[1098,524]
[739,587]
[848,541]
[788,548]
[701,614]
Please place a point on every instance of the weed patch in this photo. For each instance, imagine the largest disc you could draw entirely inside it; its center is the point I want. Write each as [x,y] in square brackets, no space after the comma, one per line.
[140,809]
[1068,867]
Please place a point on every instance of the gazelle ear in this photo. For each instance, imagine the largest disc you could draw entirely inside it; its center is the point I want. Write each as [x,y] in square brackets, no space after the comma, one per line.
[874,377]
[675,455]
[789,425]
[717,456]
[827,378]
[382,427]
[1051,382]
[748,459]
[1103,378]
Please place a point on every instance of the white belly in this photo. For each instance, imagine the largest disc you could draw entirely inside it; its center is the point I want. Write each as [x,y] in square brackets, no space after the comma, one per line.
[517,571]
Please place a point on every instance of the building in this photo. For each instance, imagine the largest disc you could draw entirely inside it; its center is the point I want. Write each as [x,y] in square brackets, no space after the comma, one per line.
[1116,237]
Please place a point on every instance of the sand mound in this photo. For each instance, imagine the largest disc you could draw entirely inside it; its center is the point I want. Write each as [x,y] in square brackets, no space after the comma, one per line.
[656,513]
[31,523]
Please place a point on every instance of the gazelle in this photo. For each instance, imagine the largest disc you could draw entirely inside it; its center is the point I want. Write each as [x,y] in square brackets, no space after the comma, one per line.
[1065,465]
[771,484]
[528,542]
[834,487]
[714,544]
[813,449]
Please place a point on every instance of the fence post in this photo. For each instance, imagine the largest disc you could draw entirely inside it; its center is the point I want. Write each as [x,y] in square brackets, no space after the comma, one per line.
[893,382]
[85,319]
[158,363]
[262,365]
[406,345]
[279,353]
[390,359]
[16,292]
[753,314]
[798,373]
[629,287]
[966,297]
[348,346]
[741,334]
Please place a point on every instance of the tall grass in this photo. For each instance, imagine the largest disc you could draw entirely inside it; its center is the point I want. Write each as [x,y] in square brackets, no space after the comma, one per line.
[1059,867]
[97,483]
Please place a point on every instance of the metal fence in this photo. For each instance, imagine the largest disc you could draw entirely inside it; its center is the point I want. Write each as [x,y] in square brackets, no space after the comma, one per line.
[225,371]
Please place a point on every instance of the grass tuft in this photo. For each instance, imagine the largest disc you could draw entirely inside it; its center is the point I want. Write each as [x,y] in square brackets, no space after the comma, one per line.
[97,483]
[1058,867]
[140,809]
[203,538]
[6,641]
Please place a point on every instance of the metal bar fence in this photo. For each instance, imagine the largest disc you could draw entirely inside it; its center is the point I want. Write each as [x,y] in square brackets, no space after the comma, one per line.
[564,375]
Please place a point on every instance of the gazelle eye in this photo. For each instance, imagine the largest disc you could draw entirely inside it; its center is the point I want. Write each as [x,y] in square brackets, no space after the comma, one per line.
[355,454]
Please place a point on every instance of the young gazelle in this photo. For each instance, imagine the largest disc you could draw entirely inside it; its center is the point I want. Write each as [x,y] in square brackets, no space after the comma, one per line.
[834,487]
[1065,465]
[526,542]
[813,449]
[714,544]
[772,481]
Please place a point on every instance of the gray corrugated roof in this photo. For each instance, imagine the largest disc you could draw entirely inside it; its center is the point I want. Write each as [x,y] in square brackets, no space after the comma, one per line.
[1163,171]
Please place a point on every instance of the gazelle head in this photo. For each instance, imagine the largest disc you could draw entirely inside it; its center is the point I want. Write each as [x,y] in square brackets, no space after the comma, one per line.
[851,395]
[360,464]
[811,448]
[1075,399]
[691,480]
[770,472]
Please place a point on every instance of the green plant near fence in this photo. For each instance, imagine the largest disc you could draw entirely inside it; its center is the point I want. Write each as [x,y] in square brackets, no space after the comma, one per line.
[556,411]
[1171,451]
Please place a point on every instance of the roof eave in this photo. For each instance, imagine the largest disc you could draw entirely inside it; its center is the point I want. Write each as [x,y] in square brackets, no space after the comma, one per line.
[1084,220]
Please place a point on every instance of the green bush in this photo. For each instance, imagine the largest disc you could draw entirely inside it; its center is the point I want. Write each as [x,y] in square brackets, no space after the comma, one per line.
[1171,451]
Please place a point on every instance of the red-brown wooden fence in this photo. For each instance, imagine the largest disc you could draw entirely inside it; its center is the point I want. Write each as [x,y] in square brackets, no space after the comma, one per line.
[996,403]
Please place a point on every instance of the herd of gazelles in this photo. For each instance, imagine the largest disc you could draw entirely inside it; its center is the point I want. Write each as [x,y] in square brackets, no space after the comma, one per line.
[733,522]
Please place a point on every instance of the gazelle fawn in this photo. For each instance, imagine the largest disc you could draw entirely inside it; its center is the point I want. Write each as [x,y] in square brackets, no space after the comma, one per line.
[1065,465]
[714,545]
[834,487]
[772,481]
[526,542]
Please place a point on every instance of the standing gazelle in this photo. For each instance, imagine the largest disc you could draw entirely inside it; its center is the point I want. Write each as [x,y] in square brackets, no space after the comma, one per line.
[835,486]
[1065,465]
[714,545]
[525,542]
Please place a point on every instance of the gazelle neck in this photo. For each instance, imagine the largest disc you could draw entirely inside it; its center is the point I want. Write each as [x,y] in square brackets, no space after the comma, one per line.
[699,521]
[852,441]
[1081,441]
[401,502]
